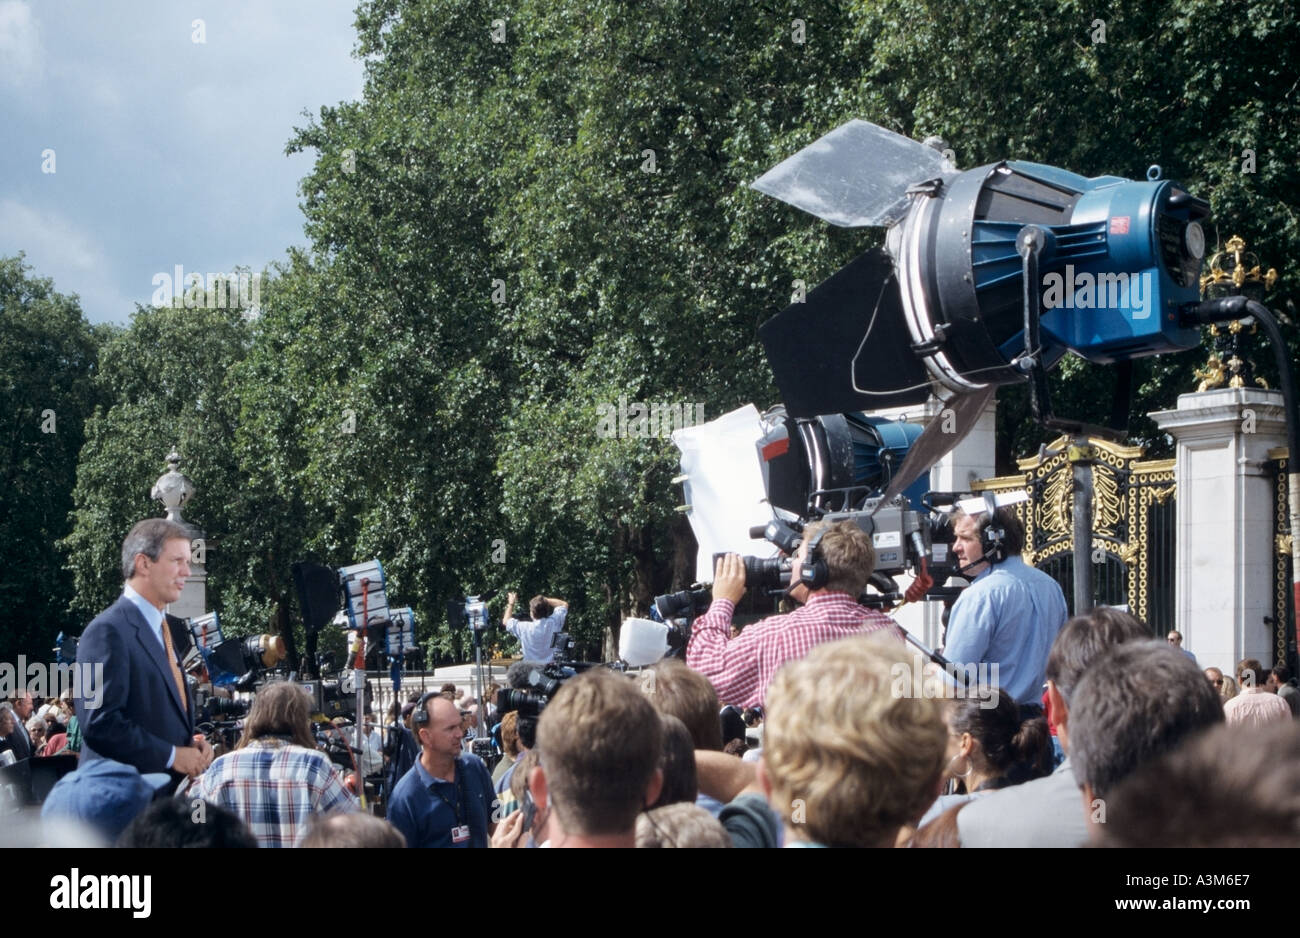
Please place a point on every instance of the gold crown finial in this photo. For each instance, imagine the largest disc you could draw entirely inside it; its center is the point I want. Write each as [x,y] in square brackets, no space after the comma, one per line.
[1235,270]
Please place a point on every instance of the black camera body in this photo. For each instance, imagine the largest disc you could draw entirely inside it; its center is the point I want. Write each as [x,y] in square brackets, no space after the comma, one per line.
[903,539]
[221,709]
[485,750]
[219,717]
[903,536]
[531,699]
[334,744]
[771,574]
[684,604]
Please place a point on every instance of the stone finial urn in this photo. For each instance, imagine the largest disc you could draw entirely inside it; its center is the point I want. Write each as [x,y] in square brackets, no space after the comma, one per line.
[173,489]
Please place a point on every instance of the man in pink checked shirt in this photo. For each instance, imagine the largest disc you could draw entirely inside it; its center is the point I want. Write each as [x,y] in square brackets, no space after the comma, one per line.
[741,668]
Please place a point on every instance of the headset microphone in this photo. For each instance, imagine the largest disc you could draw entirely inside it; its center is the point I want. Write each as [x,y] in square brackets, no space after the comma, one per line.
[993,533]
[814,572]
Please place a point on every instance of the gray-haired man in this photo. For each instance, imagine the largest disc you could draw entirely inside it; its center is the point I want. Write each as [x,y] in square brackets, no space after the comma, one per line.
[139,710]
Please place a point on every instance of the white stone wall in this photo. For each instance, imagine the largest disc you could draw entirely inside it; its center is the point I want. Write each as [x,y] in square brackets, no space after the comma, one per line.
[1224,529]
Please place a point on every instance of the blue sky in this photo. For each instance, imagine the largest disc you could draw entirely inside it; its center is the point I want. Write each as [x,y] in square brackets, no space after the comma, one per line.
[167,151]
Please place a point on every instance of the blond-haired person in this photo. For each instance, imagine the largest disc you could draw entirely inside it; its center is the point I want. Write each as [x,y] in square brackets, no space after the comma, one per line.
[850,754]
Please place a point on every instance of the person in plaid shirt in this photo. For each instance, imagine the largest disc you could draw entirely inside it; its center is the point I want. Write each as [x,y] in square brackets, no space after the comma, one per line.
[741,668]
[276,780]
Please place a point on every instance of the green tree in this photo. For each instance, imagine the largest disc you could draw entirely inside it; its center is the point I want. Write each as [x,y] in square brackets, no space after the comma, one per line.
[402,298]
[493,200]
[165,381]
[48,360]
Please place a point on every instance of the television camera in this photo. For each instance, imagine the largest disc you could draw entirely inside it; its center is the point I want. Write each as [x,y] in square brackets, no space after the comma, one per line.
[796,470]
[532,684]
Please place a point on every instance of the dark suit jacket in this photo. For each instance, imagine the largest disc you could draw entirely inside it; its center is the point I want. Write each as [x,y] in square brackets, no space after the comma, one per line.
[140,716]
[404,753]
[20,773]
[19,741]
[16,779]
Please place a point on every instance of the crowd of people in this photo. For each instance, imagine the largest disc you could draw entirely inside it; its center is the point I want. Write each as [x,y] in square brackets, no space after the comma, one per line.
[29,732]
[795,731]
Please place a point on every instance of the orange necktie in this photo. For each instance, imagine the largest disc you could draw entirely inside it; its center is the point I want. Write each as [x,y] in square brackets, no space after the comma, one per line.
[171,660]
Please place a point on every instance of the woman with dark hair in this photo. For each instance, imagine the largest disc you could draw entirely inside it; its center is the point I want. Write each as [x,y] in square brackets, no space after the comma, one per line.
[681,779]
[275,780]
[990,748]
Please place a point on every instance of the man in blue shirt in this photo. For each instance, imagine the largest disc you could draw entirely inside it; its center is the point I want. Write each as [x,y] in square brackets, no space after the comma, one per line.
[535,636]
[1011,612]
[1175,638]
[446,799]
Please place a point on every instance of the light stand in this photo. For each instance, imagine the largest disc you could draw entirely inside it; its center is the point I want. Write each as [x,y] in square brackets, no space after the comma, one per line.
[477,616]
[357,583]
[1030,243]
[1081,454]
[361,687]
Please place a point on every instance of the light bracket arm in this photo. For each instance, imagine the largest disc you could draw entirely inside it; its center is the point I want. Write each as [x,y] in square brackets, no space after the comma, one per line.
[1031,242]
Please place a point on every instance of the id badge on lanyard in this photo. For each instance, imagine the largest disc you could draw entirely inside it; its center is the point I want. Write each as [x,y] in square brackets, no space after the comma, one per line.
[460,833]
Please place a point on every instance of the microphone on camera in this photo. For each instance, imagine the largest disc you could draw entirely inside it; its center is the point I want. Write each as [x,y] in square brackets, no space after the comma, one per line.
[518,674]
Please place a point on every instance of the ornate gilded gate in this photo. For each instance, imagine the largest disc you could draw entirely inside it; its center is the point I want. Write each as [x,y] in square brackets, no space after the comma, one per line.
[1132,532]
[1284,633]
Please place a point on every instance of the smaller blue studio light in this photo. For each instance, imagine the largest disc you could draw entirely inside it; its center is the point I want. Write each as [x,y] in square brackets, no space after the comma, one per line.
[943,306]
[208,640]
[476,613]
[364,589]
[399,636]
[833,462]
[65,649]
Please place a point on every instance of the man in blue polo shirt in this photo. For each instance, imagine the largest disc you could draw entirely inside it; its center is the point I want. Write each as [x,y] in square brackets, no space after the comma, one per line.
[1010,614]
[446,799]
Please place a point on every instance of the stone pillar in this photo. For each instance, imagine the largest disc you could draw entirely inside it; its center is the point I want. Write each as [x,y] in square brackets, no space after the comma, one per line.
[174,490]
[972,459]
[1223,585]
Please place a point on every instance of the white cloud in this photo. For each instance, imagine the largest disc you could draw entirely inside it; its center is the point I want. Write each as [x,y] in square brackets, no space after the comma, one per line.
[168,152]
[51,242]
[21,54]
[104,94]
[58,249]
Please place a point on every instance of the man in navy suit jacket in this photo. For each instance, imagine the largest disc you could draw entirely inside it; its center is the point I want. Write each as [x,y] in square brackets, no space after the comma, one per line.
[138,709]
